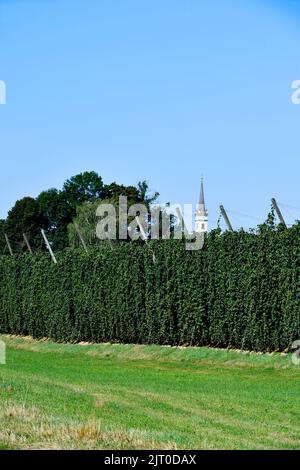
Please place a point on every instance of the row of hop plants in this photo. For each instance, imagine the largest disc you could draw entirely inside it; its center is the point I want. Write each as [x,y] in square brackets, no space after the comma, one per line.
[241,290]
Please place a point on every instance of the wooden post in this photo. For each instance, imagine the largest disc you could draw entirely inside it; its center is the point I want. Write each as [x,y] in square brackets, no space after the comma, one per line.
[278,212]
[9,245]
[226,218]
[28,244]
[141,229]
[48,246]
[80,237]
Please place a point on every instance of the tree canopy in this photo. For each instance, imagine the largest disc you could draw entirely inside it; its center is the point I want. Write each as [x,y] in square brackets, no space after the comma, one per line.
[25,218]
[86,217]
[56,211]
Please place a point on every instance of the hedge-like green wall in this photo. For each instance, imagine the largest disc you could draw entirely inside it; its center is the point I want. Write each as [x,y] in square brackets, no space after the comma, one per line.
[242,290]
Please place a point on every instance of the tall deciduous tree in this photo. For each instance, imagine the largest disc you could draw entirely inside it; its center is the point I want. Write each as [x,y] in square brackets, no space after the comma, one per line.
[58,214]
[25,217]
[60,207]
[143,192]
[86,213]
[87,186]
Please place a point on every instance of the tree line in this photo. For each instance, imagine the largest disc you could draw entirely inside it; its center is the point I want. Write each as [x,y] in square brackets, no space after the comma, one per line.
[56,211]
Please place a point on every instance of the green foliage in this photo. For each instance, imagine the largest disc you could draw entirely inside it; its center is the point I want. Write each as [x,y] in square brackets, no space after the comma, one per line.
[25,217]
[84,187]
[58,214]
[241,291]
[143,191]
[59,207]
[135,195]
[2,239]
[86,217]
[56,211]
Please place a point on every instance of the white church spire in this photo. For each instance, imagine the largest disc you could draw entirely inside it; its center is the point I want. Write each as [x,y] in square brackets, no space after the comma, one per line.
[201,212]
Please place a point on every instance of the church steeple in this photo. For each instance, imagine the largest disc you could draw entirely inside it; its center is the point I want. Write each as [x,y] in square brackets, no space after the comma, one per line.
[201,204]
[201,212]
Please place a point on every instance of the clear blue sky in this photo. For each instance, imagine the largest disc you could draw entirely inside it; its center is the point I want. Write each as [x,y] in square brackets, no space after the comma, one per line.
[162,90]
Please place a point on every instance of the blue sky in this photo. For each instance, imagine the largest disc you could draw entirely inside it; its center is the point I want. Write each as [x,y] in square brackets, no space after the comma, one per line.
[161,90]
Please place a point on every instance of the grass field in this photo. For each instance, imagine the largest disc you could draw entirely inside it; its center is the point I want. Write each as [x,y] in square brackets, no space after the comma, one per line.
[60,396]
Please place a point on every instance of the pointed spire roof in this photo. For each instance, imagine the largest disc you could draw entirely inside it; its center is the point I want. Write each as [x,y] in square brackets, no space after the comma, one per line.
[201,209]
[201,198]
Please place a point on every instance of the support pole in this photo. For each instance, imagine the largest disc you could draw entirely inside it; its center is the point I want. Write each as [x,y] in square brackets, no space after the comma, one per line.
[49,247]
[141,229]
[9,245]
[226,218]
[80,237]
[27,243]
[278,212]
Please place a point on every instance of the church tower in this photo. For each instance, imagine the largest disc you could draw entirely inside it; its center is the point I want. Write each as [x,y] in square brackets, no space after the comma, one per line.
[201,213]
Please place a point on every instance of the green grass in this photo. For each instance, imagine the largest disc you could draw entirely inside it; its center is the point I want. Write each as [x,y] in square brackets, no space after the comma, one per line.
[61,396]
